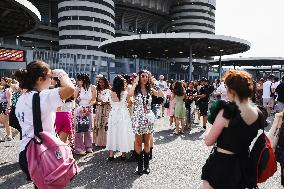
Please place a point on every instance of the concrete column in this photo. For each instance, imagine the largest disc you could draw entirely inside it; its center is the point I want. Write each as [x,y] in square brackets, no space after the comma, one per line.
[190,62]
[220,67]
[122,22]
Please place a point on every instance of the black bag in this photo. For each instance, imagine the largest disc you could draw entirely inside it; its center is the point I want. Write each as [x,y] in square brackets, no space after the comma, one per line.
[83,124]
[157,100]
[167,103]
[262,157]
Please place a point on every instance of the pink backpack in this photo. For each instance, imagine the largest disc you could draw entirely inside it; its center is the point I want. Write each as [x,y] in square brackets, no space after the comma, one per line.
[50,161]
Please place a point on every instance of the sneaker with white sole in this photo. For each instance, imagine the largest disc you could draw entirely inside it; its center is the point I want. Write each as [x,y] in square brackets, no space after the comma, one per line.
[8,138]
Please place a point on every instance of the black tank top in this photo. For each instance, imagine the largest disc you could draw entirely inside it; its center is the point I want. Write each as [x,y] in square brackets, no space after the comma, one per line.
[237,137]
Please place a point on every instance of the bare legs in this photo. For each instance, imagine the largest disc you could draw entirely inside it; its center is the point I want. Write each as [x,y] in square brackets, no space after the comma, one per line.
[182,120]
[146,139]
[63,136]
[206,185]
[4,119]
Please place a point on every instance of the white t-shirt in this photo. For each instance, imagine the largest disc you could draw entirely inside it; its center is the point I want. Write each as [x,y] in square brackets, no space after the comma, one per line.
[49,101]
[266,89]
[162,84]
[223,91]
[274,85]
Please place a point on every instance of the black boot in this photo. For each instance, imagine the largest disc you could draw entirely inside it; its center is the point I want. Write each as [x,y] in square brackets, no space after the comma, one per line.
[146,163]
[140,163]
[150,156]
[133,156]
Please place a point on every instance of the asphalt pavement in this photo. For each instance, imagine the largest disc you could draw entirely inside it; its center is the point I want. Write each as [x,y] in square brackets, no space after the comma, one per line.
[176,164]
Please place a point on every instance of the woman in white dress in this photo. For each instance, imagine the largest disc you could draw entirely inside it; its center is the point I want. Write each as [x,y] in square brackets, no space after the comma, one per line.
[119,135]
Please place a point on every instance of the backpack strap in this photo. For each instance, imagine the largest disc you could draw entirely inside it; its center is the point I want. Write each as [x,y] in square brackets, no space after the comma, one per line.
[37,116]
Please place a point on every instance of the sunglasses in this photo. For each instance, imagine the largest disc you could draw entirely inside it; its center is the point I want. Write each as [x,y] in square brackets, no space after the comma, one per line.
[144,76]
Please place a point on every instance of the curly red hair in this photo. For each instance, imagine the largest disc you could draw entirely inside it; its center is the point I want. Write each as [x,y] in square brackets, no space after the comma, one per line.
[241,82]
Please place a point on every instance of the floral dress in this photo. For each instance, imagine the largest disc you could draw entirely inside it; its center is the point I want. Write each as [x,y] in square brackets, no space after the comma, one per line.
[142,107]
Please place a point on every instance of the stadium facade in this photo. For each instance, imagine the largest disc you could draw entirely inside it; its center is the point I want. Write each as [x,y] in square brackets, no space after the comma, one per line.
[71,30]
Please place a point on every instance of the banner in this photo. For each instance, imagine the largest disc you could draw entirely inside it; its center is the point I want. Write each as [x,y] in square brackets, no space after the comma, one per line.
[12,55]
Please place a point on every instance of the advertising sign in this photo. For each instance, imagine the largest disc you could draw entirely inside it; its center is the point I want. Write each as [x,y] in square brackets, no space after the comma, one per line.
[12,55]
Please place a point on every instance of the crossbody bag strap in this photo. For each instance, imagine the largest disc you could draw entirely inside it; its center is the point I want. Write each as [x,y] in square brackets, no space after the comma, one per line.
[37,115]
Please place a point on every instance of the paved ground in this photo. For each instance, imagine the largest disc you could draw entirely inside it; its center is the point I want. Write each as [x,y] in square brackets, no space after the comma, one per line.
[177,164]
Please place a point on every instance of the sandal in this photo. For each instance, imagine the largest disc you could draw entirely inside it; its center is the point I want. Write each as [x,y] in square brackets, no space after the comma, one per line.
[111,158]
[176,133]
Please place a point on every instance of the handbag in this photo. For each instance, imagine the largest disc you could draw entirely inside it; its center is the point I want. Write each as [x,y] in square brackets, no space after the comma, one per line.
[83,124]
[167,103]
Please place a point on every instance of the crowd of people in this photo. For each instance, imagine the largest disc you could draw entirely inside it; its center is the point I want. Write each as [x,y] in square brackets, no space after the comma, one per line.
[121,117]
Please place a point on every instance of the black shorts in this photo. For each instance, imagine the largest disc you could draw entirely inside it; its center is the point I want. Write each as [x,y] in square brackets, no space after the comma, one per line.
[224,171]
[3,107]
[203,108]
[24,163]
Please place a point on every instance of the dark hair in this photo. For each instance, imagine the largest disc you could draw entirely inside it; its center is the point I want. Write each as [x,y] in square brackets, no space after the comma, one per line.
[127,78]
[106,84]
[270,77]
[86,80]
[276,79]
[28,77]
[57,82]
[118,85]
[148,85]
[8,82]
[70,99]
[179,89]
[241,82]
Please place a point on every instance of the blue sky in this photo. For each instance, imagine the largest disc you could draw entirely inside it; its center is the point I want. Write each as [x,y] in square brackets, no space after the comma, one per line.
[261,22]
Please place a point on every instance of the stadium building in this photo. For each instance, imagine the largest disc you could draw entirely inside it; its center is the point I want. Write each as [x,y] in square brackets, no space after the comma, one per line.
[70,32]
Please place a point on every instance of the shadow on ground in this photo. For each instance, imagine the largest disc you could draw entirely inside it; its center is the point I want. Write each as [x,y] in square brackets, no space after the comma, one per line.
[12,176]
[164,136]
[98,172]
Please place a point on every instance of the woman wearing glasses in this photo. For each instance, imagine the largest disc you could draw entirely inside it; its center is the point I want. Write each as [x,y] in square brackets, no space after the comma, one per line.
[143,118]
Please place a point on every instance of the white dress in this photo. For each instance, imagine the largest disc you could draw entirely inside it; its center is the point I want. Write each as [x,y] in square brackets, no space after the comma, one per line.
[119,135]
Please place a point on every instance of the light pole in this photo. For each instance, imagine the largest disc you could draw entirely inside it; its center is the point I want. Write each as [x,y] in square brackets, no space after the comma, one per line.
[190,62]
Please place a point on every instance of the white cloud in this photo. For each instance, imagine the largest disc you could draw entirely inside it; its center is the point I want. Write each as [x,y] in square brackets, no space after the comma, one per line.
[258,21]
